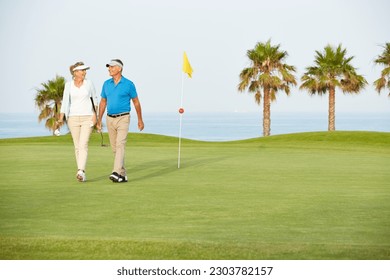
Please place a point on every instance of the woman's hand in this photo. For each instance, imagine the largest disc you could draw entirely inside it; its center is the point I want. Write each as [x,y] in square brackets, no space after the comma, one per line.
[94,119]
[99,126]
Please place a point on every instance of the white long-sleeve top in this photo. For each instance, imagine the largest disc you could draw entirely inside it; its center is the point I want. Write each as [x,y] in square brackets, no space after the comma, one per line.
[77,101]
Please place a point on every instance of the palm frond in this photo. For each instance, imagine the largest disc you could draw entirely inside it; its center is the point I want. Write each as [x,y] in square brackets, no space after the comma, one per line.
[380,84]
[258,97]
[383,59]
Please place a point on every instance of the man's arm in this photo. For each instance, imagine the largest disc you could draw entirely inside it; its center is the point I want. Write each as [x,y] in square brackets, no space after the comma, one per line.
[137,106]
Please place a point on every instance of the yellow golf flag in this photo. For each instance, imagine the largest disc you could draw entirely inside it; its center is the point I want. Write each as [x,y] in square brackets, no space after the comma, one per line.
[187,66]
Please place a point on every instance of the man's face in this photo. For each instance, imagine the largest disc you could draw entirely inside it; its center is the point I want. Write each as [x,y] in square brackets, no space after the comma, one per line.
[114,70]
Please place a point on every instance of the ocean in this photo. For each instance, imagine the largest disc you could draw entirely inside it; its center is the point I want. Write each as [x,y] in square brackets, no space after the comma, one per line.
[214,126]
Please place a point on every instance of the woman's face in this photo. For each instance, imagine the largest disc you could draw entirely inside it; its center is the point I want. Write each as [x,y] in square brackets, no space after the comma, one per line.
[80,74]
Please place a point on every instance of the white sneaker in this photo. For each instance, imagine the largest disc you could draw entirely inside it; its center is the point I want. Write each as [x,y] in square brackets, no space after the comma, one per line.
[81,176]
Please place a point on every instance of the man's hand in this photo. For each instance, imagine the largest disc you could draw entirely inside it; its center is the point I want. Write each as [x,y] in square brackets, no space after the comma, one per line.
[141,125]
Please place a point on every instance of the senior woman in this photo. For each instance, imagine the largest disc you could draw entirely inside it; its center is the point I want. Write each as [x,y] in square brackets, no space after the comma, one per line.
[77,108]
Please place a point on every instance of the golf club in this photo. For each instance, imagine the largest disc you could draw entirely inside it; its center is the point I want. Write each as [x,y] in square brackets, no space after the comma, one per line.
[101,133]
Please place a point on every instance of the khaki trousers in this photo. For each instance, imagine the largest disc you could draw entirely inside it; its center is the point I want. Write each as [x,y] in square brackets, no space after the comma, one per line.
[118,129]
[81,128]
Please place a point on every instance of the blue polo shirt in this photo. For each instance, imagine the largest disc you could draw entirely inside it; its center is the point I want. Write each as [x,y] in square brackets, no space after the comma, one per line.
[118,96]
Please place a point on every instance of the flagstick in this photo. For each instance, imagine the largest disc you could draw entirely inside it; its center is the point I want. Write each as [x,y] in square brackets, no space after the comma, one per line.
[181,117]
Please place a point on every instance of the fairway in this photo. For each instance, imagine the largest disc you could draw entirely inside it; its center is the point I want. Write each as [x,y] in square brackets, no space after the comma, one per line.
[323,195]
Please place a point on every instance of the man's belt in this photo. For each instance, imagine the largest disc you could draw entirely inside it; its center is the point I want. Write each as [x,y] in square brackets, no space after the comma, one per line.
[118,115]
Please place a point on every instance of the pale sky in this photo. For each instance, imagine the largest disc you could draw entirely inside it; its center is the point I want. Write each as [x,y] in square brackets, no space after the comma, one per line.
[42,38]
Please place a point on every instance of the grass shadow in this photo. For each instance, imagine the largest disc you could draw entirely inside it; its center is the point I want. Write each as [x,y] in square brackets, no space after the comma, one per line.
[100,178]
[166,166]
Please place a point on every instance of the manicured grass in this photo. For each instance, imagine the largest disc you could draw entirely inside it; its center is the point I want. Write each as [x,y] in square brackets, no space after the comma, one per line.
[299,196]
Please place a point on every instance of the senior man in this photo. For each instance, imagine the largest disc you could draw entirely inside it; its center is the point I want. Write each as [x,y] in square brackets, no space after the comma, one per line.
[116,95]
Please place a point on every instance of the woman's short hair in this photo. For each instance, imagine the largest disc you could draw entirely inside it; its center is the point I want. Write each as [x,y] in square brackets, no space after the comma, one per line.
[74,66]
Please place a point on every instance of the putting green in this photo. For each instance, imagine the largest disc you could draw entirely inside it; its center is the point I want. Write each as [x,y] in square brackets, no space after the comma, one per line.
[318,195]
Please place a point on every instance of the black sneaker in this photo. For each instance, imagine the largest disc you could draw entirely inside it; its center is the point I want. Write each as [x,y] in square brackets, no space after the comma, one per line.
[114,177]
[122,179]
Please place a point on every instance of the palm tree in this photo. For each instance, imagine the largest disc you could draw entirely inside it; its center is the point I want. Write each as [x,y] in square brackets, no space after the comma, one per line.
[266,75]
[48,99]
[384,59]
[332,69]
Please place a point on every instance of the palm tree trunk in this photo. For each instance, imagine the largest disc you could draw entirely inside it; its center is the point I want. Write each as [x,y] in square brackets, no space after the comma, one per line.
[266,113]
[332,109]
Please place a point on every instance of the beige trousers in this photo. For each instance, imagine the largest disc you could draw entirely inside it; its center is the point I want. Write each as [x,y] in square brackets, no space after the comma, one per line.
[118,129]
[81,128]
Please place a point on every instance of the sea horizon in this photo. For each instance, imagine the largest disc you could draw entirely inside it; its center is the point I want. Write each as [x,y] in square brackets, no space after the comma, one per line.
[216,126]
